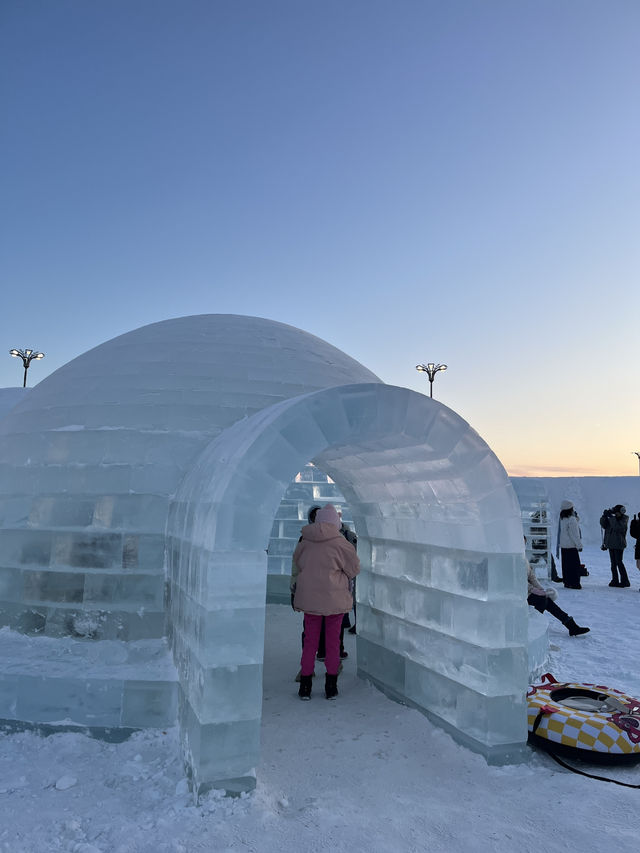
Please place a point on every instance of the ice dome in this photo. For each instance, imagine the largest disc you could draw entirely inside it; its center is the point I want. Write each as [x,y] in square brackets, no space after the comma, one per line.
[138,487]
[100,445]
[10,397]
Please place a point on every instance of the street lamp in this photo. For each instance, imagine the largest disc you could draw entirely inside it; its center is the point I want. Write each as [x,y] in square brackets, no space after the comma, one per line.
[431,369]
[27,357]
[637,453]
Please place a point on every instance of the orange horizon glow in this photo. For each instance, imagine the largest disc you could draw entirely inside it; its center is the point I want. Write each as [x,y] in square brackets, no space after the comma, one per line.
[561,471]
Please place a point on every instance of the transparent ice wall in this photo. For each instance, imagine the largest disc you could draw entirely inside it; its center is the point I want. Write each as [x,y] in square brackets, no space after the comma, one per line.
[138,489]
[442,621]
[88,461]
[537,525]
[538,644]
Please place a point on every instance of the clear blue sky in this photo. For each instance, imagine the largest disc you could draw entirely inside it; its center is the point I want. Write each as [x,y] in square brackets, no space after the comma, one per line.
[453,181]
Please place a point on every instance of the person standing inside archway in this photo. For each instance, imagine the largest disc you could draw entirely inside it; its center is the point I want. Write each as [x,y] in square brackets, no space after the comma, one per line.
[324,562]
[350,536]
[311,517]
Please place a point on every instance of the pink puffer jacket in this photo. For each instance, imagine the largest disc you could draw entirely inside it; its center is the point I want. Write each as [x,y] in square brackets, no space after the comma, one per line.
[325,562]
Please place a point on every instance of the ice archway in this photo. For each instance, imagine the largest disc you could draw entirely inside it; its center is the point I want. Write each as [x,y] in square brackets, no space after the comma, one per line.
[138,485]
[442,622]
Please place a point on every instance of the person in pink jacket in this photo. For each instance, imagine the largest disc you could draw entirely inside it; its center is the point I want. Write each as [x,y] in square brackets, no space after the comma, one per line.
[323,564]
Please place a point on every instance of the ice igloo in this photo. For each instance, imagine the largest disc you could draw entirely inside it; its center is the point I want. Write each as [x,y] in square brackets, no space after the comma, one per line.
[139,484]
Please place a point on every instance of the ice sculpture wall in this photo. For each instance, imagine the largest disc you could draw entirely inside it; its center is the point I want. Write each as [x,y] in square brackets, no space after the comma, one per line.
[442,621]
[138,487]
[88,461]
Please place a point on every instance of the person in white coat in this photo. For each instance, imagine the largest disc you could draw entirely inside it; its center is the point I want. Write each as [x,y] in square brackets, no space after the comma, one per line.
[570,543]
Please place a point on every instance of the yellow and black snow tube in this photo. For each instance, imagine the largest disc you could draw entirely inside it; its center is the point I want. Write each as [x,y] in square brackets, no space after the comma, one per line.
[585,721]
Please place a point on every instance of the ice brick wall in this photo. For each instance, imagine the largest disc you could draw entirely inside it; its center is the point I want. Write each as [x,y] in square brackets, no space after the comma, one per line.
[108,687]
[90,457]
[442,615]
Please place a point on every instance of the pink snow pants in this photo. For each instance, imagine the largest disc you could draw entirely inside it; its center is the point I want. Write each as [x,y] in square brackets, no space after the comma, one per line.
[312,625]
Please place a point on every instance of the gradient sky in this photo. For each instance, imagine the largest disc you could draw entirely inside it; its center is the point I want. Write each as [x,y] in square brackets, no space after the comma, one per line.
[454,181]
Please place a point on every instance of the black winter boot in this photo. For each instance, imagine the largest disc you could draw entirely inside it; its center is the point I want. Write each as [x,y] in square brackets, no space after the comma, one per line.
[299,676]
[574,629]
[331,686]
[305,687]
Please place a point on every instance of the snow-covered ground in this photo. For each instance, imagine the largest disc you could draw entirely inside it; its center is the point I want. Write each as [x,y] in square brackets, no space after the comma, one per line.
[358,774]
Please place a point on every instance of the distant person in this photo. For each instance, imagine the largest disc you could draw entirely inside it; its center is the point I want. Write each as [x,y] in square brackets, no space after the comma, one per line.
[614,523]
[569,544]
[324,564]
[542,600]
[634,530]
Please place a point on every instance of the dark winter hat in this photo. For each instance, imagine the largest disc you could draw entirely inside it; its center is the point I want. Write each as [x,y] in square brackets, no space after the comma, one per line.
[311,515]
[621,509]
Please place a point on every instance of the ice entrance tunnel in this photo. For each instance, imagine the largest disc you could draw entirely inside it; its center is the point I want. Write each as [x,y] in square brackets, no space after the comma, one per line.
[139,485]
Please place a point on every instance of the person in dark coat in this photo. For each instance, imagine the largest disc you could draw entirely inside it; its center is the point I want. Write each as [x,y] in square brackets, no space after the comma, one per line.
[350,536]
[614,522]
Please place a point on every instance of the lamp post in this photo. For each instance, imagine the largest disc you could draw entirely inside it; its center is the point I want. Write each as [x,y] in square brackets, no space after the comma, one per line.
[637,453]
[27,356]
[431,369]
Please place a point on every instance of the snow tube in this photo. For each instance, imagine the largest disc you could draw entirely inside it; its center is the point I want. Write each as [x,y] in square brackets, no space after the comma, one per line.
[587,721]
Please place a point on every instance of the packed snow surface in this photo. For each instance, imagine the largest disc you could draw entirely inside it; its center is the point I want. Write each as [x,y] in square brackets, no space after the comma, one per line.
[359,774]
